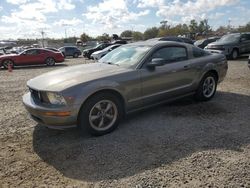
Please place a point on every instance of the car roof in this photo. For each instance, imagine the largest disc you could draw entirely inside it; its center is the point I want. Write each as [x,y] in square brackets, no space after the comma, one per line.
[156,43]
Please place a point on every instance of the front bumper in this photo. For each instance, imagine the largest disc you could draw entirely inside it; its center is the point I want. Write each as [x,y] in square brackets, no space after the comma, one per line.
[38,113]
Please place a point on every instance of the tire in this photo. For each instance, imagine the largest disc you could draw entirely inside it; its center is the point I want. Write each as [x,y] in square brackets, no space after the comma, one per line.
[50,61]
[234,55]
[75,55]
[100,109]
[6,63]
[207,87]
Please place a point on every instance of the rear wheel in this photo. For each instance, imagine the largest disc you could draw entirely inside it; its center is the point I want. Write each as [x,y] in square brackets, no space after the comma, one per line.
[75,55]
[207,87]
[50,61]
[100,114]
[8,63]
[234,55]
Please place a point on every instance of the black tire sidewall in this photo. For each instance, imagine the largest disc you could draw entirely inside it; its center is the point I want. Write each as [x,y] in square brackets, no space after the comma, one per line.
[75,55]
[3,64]
[232,57]
[46,61]
[199,96]
[83,118]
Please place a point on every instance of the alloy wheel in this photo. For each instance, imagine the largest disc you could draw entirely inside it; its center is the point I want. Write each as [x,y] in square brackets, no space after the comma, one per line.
[103,115]
[209,87]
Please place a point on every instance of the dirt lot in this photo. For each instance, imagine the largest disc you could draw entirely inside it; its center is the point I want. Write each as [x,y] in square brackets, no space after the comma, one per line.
[182,144]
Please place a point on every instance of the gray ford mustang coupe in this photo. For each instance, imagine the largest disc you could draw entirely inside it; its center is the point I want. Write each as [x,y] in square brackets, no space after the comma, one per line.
[135,76]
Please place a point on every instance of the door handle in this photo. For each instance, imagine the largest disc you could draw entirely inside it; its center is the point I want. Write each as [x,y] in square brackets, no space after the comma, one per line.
[186,67]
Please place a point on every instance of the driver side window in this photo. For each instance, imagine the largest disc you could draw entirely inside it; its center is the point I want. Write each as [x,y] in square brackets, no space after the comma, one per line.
[171,54]
[31,52]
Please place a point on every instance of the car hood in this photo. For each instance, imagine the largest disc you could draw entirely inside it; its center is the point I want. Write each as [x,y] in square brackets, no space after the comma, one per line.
[220,43]
[64,78]
[9,55]
[98,52]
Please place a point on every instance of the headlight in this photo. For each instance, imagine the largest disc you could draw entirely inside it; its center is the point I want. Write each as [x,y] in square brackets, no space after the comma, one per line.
[56,98]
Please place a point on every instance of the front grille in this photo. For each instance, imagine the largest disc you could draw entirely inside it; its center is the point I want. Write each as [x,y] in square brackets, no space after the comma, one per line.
[36,95]
[39,96]
[215,47]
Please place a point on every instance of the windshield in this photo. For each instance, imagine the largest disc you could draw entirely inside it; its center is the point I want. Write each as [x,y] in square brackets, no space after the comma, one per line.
[126,56]
[230,38]
[199,42]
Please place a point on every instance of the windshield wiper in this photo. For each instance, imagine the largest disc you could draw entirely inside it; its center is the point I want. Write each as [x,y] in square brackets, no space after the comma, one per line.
[110,63]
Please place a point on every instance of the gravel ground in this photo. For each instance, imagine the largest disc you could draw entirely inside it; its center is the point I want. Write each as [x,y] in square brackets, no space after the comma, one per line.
[182,144]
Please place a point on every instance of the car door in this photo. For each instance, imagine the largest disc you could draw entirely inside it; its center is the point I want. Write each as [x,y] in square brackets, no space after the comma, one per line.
[29,57]
[170,80]
[244,43]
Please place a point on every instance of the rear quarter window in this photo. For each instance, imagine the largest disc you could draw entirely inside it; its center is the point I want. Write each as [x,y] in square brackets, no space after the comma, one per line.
[197,52]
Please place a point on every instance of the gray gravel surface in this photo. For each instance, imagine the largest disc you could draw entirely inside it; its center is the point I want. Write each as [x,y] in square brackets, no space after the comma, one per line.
[182,144]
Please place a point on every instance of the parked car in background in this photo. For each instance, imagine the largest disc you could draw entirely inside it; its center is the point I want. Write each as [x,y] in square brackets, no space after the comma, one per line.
[87,53]
[70,51]
[231,45]
[249,61]
[119,42]
[99,54]
[204,42]
[135,76]
[52,49]
[173,38]
[33,56]
[2,51]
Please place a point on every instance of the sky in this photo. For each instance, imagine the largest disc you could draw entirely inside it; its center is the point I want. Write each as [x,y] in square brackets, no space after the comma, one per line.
[60,18]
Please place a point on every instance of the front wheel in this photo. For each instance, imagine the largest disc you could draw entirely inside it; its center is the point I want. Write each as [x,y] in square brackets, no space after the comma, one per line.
[207,87]
[50,61]
[8,63]
[100,114]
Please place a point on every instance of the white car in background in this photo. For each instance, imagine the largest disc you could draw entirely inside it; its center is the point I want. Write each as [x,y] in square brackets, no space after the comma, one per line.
[99,54]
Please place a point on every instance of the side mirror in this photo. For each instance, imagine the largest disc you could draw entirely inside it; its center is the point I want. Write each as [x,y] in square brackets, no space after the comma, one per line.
[156,62]
[243,39]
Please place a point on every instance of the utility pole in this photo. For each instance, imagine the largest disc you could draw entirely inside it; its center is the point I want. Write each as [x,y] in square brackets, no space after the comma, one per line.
[42,33]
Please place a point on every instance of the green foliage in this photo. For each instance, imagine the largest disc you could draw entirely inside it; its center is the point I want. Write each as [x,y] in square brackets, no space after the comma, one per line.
[137,36]
[127,33]
[151,33]
[245,28]
[85,37]
[104,37]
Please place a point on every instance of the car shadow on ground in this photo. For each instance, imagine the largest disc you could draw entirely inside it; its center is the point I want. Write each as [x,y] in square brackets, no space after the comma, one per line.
[36,67]
[148,139]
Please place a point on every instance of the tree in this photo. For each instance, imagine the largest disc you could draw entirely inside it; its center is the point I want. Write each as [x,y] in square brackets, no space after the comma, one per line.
[137,36]
[84,37]
[127,33]
[104,37]
[151,33]
[203,27]
[193,26]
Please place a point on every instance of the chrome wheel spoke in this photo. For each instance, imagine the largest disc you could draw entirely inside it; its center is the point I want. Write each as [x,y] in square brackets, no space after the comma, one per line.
[101,123]
[109,116]
[94,117]
[109,106]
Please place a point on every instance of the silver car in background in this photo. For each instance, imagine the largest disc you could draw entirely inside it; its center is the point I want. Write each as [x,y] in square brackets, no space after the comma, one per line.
[135,76]
[99,54]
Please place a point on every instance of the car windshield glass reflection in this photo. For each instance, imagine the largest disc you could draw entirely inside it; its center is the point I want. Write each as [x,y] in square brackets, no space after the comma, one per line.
[230,38]
[125,56]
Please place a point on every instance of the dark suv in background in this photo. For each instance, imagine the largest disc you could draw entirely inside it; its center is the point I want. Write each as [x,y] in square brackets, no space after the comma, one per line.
[204,42]
[70,51]
[231,45]
[87,53]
